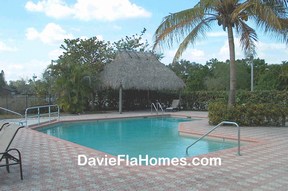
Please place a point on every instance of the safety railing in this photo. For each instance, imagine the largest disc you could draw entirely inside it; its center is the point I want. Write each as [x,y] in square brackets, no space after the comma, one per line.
[153,106]
[36,113]
[19,120]
[10,111]
[222,123]
[156,106]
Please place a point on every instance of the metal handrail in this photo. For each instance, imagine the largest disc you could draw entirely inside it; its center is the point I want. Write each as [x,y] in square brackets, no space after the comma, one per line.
[20,121]
[222,123]
[10,111]
[160,106]
[39,114]
[154,106]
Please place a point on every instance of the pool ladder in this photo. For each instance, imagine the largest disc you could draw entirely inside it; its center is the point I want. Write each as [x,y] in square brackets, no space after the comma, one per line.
[222,123]
[40,113]
[156,106]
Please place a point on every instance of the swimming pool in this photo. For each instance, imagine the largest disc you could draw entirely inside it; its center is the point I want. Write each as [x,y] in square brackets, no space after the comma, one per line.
[156,137]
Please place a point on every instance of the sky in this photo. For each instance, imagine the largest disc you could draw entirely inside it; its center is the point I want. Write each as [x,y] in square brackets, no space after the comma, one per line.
[32,32]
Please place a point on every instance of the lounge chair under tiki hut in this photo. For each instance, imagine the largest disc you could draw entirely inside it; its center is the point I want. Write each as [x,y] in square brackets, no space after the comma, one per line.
[174,106]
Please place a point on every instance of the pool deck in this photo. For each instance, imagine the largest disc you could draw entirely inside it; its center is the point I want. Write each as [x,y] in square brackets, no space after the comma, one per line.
[51,164]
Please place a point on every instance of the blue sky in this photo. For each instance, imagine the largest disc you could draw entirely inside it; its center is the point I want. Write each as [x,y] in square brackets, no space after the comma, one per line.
[32,31]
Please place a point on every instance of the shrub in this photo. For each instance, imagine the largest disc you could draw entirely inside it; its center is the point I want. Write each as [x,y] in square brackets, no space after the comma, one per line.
[249,114]
[199,100]
[273,97]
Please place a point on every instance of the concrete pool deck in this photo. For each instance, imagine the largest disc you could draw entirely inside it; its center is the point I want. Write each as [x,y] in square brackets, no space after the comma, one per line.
[51,164]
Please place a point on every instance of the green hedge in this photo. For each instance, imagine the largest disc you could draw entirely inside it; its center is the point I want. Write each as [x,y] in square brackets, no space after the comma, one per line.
[199,100]
[249,114]
[265,97]
[193,101]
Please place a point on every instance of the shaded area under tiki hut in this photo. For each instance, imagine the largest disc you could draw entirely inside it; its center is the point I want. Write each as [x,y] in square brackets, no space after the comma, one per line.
[139,71]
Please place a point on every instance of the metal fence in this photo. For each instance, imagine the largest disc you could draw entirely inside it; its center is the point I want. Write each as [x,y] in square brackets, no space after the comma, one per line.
[19,103]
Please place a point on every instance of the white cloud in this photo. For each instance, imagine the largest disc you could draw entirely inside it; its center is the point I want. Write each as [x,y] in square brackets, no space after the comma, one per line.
[6,48]
[100,37]
[205,54]
[272,52]
[52,33]
[192,55]
[116,27]
[15,71]
[270,46]
[195,53]
[108,10]
[217,34]
[54,54]
[32,34]
[84,37]
[223,53]
[89,9]
[52,8]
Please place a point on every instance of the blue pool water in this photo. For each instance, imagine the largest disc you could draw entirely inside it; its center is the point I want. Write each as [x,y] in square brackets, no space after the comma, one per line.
[156,137]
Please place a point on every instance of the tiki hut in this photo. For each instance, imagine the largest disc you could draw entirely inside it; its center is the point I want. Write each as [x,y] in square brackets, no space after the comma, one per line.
[139,71]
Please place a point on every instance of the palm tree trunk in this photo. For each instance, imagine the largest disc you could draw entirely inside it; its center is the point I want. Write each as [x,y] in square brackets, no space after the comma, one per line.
[232,93]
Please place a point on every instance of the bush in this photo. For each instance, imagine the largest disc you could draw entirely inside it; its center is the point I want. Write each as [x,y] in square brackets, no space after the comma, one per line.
[199,100]
[272,97]
[249,114]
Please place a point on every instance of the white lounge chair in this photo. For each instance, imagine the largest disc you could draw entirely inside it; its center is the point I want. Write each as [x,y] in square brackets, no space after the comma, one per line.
[7,134]
[2,124]
[174,106]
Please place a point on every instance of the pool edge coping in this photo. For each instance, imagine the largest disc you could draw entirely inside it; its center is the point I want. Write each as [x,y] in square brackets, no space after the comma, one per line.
[36,126]
[250,141]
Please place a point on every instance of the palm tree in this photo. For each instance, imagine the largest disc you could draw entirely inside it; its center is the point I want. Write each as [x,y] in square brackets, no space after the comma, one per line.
[233,16]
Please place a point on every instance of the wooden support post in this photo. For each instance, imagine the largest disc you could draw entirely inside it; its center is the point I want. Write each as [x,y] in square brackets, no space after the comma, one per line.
[120,99]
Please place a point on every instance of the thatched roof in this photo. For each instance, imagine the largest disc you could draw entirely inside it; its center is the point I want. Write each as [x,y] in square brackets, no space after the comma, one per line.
[139,70]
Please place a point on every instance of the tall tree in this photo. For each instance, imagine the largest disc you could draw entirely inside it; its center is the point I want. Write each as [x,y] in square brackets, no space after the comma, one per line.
[193,74]
[219,75]
[76,72]
[273,77]
[283,77]
[23,86]
[132,43]
[3,83]
[190,24]
[2,79]
[135,43]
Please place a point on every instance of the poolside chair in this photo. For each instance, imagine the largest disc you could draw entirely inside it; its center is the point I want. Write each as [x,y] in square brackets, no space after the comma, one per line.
[174,106]
[2,124]
[7,134]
